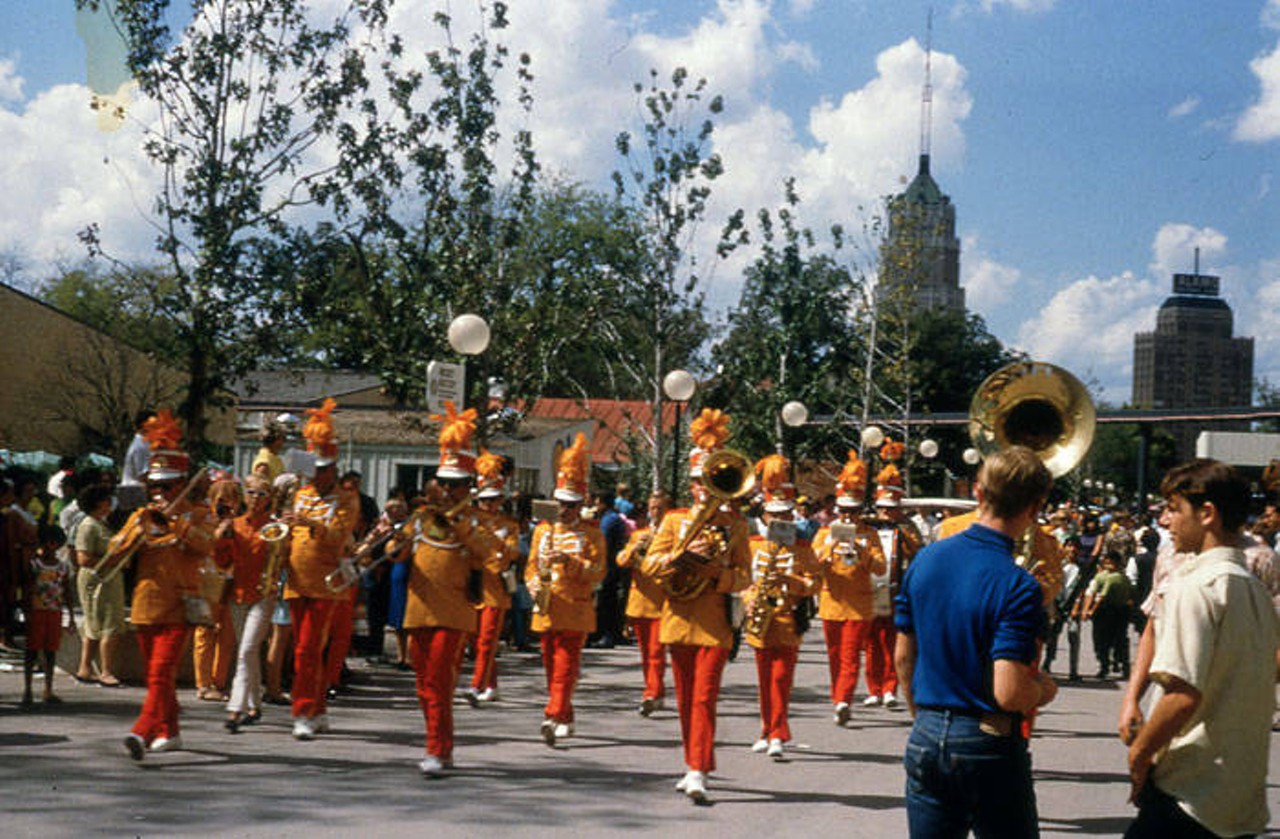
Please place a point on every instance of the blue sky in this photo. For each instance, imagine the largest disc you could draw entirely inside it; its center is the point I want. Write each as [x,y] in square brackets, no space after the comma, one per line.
[1088,146]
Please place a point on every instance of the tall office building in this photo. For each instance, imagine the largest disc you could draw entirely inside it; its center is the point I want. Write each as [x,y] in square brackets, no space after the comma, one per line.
[920,258]
[1191,359]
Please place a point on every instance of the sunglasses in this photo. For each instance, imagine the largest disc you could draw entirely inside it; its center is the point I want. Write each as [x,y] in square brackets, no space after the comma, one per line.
[256,493]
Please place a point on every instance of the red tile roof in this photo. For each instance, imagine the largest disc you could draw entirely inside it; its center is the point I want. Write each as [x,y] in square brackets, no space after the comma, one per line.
[614,419]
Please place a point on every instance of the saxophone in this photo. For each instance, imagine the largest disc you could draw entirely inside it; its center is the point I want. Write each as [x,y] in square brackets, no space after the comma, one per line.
[274,534]
[553,547]
[770,597]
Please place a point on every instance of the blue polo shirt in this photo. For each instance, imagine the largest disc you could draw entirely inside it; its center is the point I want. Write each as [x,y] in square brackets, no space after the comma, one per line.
[967,604]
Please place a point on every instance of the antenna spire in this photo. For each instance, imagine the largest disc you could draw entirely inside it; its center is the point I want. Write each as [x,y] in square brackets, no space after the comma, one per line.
[926,96]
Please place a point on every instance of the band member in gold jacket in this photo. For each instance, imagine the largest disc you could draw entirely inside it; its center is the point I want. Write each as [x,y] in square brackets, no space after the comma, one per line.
[171,538]
[566,562]
[495,594]
[696,629]
[449,542]
[849,555]
[784,574]
[644,605]
[321,523]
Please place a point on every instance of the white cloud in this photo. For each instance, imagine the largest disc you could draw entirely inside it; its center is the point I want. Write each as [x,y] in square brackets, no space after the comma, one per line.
[1185,107]
[1088,328]
[1260,123]
[1271,14]
[1173,250]
[11,83]
[987,284]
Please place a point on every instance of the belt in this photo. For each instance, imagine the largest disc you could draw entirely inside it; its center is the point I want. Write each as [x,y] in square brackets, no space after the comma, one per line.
[995,723]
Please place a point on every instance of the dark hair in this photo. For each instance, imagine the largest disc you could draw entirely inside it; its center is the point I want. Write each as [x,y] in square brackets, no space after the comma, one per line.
[51,534]
[91,496]
[1204,481]
[142,416]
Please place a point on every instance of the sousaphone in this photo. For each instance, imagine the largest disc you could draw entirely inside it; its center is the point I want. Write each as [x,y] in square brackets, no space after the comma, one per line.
[1037,405]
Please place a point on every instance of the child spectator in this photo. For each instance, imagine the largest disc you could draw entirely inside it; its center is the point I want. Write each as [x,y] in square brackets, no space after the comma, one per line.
[1107,603]
[50,593]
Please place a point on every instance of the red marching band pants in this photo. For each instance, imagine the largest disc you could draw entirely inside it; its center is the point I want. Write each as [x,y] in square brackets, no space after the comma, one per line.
[653,655]
[486,672]
[341,626]
[845,643]
[697,671]
[162,646]
[435,652]
[882,678]
[311,617]
[775,673]
[562,661]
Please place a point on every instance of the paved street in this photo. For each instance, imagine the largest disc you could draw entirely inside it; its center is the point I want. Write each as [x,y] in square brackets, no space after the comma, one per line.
[64,771]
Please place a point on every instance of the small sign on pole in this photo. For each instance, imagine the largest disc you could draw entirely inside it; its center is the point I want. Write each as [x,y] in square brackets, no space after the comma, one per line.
[445,381]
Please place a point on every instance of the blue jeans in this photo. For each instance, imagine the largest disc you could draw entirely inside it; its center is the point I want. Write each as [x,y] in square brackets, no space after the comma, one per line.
[960,779]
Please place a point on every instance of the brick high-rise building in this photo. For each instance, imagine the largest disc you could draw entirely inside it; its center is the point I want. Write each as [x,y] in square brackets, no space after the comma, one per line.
[1192,360]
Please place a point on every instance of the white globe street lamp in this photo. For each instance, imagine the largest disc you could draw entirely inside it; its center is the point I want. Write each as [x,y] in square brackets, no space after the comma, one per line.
[468,334]
[971,456]
[679,385]
[795,414]
[928,449]
[872,436]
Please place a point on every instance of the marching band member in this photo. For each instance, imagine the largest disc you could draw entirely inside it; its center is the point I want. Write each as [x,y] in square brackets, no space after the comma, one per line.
[253,598]
[321,523]
[644,605]
[696,631]
[900,540]
[214,644]
[783,573]
[173,538]
[566,562]
[494,593]
[448,544]
[849,555]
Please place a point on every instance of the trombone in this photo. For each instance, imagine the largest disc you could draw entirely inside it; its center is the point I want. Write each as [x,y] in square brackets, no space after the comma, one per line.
[126,544]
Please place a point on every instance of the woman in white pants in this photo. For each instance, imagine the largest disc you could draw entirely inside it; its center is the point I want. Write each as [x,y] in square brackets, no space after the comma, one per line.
[252,548]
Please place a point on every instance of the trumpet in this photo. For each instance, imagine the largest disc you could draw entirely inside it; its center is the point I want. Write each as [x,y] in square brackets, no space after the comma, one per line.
[273,533]
[126,544]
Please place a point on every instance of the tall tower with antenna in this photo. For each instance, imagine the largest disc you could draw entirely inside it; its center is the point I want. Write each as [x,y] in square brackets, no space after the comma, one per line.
[920,257]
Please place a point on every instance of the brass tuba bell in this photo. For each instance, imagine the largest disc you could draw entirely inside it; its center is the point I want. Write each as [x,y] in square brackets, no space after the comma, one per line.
[1037,405]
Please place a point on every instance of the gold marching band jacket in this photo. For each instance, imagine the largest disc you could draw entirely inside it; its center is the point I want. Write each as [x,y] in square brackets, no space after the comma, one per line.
[848,573]
[702,620]
[646,596]
[443,558]
[781,575]
[570,605]
[314,555]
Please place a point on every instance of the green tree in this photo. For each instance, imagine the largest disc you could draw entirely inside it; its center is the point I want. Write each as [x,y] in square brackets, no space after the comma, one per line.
[792,336]
[244,97]
[667,176]
[423,226]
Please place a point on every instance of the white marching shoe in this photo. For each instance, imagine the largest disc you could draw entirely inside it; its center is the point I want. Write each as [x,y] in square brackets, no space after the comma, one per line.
[303,730]
[695,786]
[431,766]
[775,748]
[890,700]
[842,714]
[871,700]
[760,745]
[167,744]
[564,729]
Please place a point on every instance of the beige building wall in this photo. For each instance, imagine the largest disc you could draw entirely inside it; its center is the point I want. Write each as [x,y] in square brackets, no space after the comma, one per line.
[69,388]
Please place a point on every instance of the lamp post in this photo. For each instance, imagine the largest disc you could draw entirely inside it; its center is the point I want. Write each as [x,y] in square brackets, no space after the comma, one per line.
[928,449]
[469,336]
[679,386]
[794,414]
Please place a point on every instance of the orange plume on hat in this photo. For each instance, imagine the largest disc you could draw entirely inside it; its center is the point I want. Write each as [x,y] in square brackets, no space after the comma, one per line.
[573,461]
[489,465]
[162,431]
[319,431]
[710,429]
[773,472]
[853,477]
[457,428]
[892,450]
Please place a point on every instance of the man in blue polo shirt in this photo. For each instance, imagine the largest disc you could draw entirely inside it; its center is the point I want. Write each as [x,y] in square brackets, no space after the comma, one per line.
[968,622]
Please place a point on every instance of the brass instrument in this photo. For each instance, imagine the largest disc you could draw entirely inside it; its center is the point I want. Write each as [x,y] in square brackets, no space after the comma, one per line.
[125,545]
[727,475]
[1045,408]
[435,522]
[273,533]
[346,574]
[770,597]
[551,546]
